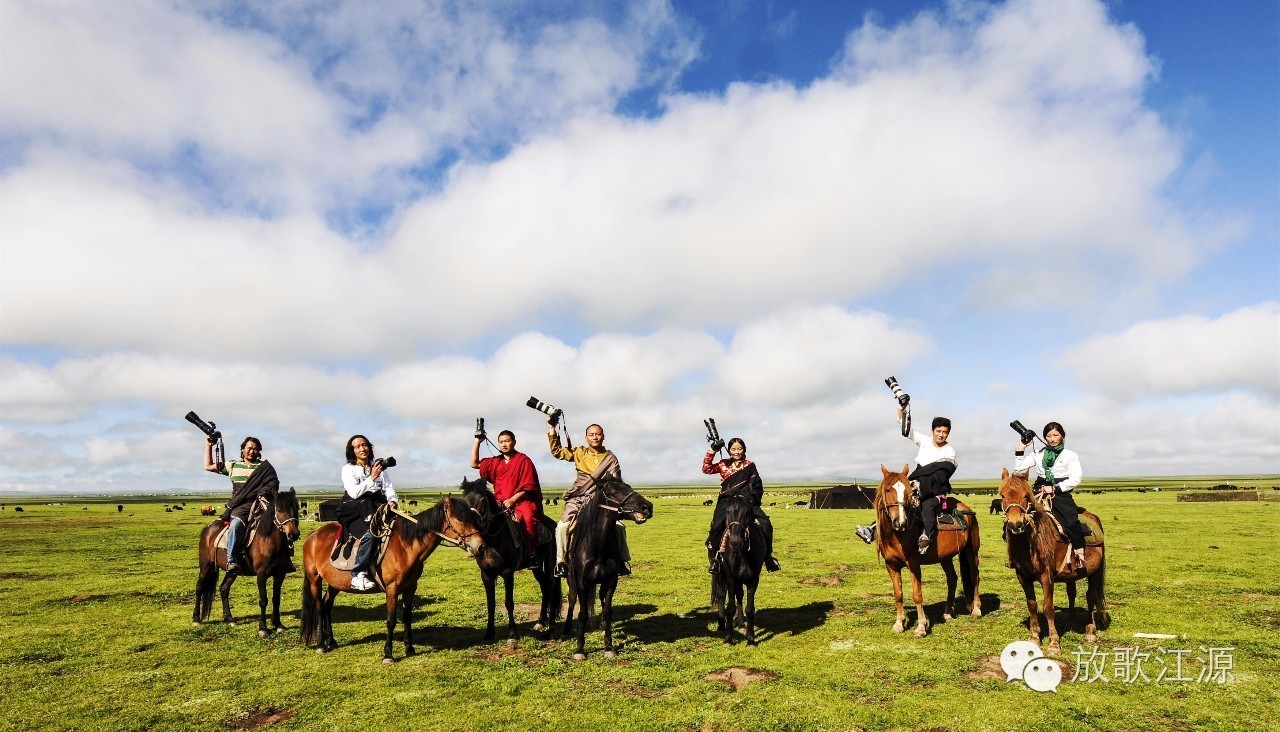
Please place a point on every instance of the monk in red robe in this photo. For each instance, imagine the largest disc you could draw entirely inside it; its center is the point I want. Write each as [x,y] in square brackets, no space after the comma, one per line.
[515,484]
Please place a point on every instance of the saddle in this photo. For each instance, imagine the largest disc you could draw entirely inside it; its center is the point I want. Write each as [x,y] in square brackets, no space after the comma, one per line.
[953,518]
[347,546]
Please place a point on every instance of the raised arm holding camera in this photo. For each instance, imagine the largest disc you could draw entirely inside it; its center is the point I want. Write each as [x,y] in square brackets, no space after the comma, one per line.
[1057,472]
[365,488]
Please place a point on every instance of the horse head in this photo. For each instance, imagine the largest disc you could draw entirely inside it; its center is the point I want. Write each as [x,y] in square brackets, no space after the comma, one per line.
[285,516]
[477,495]
[738,518]
[629,504]
[1016,501]
[892,496]
[461,525]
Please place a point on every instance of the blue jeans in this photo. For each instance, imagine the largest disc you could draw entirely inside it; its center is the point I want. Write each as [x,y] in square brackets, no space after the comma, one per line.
[233,535]
[363,554]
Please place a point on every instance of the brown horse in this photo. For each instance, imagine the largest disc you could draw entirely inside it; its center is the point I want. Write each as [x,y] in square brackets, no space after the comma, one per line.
[896,530]
[1036,553]
[276,528]
[409,543]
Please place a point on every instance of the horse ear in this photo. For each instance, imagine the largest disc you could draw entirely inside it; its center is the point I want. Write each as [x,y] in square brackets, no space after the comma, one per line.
[1023,474]
[884,470]
[1004,474]
[906,469]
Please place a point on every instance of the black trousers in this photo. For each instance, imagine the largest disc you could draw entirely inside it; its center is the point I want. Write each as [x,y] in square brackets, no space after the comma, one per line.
[1064,507]
[929,515]
[718,526]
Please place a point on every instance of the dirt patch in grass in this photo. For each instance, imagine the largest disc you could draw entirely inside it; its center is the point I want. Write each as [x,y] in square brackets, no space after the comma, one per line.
[259,718]
[988,668]
[527,610]
[824,581]
[739,677]
[19,576]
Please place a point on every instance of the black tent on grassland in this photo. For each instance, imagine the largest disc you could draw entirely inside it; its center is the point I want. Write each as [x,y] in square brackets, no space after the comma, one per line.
[843,496]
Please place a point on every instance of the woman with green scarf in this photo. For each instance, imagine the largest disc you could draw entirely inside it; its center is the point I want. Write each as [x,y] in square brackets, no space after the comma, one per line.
[1057,472]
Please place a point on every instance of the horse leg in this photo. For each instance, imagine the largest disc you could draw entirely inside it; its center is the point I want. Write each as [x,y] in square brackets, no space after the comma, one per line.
[262,606]
[224,590]
[917,595]
[1046,585]
[895,578]
[327,641]
[949,569]
[975,601]
[567,629]
[205,584]
[392,590]
[1071,605]
[606,613]
[278,585]
[509,584]
[1033,611]
[586,599]
[730,609]
[1092,597]
[751,612]
[407,594]
[489,582]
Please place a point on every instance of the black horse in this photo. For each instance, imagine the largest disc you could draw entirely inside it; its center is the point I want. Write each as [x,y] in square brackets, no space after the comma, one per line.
[275,530]
[504,555]
[594,557]
[739,570]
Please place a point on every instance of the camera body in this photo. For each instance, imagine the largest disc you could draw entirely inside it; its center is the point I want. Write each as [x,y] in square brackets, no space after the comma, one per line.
[550,410]
[1028,436]
[713,435]
[386,462]
[210,429]
[903,398]
[480,434]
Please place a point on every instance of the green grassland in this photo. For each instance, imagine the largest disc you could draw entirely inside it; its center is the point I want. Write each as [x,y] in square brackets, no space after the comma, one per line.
[95,633]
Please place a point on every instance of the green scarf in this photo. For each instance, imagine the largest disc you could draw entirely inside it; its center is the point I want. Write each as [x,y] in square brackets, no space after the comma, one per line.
[1050,457]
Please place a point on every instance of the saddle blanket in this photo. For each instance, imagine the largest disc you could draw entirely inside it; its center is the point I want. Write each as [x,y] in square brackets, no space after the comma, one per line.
[954,519]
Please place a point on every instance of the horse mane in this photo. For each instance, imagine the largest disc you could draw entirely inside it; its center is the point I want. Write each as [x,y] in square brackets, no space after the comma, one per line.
[432,520]
[884,524]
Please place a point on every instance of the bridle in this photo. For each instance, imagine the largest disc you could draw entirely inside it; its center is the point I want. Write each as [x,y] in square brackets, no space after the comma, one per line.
[1029,509]
[900,490]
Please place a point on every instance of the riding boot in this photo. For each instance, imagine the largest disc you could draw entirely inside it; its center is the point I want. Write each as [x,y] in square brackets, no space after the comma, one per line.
[715,563]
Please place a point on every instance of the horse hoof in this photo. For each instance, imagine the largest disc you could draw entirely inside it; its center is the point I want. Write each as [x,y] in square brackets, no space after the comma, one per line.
[1053,650]
[752,644]
[947,616]
[387,661]
[195,623]
[977,613]
[921,632]
[262,633]
[897,627]
[321,650]
[410,651]
[579,656]
[610,654]
[231,623]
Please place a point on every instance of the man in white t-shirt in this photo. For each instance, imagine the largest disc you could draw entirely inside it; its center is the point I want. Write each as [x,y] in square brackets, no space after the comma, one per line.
[934,449]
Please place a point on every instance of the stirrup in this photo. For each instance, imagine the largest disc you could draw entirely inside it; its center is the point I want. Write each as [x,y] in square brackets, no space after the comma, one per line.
[923,543]
[561,570]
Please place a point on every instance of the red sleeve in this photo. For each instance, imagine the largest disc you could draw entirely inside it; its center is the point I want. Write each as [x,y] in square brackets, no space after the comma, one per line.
[487,469]
[707,466]
[527,476]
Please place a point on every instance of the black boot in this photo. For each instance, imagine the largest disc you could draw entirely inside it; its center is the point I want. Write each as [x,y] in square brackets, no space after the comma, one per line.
[772,565]
[561,570]
[715,563]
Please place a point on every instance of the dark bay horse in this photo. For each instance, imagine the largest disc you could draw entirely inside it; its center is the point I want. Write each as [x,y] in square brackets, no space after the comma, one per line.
[409,543]
[1036,554]
[504,555]
[594,558]
[275,529]
[739,570]
[897,528]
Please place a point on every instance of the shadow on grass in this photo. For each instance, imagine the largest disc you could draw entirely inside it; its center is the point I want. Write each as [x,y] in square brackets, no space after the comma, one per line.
[770,621]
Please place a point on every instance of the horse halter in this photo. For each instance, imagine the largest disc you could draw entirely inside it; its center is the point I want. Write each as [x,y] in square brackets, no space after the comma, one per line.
[901,504]
[1029,510]
[456,540]
[746,531]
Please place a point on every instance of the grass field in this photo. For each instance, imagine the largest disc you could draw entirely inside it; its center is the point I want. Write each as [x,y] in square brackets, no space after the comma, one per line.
[96,634]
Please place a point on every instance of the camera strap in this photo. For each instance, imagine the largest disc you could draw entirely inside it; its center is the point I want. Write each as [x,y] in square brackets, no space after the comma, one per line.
[905,422]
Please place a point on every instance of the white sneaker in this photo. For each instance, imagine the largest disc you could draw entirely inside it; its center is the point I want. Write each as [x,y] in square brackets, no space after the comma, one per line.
[360,582]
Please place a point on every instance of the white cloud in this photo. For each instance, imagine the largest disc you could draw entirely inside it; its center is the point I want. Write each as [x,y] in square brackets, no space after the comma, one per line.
[1184,355]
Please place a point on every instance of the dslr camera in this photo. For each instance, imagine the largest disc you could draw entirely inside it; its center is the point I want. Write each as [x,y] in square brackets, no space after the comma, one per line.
[386,462]
[1028,436]
[480,434]
[551,411]
[903,398]
[209,428]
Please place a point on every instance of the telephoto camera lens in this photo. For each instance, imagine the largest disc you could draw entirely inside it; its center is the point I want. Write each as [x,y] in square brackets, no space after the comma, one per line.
[387,462]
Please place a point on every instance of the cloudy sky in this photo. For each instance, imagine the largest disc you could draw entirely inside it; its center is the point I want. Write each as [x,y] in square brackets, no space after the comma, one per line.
[307,219]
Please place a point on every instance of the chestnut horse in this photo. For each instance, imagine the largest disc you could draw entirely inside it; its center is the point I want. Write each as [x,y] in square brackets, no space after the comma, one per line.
[504,555]
[594,556]
[1036,553]
[897,528]
[276,528]
[409,543]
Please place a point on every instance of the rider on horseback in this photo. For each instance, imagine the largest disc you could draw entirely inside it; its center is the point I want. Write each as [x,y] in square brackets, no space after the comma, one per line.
[593,462]
[515,484]
[243,494]
[935,463]
[1057,473]
[739,477]
[366,489]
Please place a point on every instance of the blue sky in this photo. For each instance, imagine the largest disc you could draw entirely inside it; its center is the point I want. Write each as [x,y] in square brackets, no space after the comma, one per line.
[305,220]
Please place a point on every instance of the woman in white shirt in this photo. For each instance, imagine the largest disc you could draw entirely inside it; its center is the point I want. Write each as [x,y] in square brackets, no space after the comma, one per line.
[1057,472]
[365,489]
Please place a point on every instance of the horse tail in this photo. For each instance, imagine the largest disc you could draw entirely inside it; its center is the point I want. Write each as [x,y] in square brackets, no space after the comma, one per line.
[1102,589]
[206,584]
[309,629]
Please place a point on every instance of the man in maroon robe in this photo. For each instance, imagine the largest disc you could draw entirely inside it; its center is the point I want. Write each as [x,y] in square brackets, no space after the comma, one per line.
[515,484]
